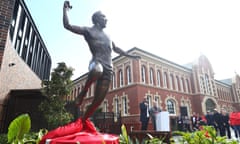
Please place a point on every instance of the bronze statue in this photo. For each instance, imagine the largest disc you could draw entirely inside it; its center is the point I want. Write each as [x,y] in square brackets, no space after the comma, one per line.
[100,67]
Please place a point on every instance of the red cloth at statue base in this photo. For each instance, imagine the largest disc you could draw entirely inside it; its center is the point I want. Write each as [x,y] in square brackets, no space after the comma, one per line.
[78,132]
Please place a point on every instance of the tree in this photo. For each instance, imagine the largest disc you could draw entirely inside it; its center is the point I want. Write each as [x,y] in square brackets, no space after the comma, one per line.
[55,90]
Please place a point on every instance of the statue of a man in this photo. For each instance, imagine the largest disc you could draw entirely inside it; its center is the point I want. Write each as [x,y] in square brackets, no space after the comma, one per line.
[100,67]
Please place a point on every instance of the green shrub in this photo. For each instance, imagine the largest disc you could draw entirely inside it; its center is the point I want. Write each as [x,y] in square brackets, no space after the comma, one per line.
[207,135]
[3,139]
[19,132]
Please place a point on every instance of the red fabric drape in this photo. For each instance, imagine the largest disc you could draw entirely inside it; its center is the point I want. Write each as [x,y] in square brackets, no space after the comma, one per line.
[78,131]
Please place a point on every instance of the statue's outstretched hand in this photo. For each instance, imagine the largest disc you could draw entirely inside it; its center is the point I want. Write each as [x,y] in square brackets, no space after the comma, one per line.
[67,5]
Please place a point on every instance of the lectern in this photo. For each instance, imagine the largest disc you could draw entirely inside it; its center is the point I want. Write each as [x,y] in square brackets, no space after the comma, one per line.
[162,121]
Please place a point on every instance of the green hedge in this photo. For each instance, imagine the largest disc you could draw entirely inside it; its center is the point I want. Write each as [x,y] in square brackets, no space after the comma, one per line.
[3,139]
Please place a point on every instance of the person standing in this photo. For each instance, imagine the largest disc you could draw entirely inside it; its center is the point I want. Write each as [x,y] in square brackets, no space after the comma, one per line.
[209,118]
[226,125]
[144,114]
[195,119]
[153,113]
[218,121]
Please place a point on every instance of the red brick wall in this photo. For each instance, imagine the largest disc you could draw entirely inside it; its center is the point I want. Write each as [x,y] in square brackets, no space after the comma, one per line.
[6,9]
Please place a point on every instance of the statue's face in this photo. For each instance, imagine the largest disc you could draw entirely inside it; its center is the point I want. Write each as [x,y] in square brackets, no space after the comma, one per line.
[101,20]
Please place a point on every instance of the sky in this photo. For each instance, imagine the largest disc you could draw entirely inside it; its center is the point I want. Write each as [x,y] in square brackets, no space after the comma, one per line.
[177,30]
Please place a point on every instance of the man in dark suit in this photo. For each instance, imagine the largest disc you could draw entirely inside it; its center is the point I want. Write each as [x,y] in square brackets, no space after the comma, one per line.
[144,114]
[219,123]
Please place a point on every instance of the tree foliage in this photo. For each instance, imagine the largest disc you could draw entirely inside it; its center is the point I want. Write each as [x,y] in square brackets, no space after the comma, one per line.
[60,84]
[56,90]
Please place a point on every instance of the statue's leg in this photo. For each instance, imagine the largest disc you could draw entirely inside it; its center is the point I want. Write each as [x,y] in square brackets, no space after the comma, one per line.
[95,71]
[99,95]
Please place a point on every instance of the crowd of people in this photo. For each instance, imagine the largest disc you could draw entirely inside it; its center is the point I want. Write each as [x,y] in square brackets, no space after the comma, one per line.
[222,121]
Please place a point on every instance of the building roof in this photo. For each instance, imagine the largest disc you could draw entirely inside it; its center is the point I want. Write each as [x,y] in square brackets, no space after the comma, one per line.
[226,81]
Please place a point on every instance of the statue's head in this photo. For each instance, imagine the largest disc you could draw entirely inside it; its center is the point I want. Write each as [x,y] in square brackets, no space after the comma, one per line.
[99,19]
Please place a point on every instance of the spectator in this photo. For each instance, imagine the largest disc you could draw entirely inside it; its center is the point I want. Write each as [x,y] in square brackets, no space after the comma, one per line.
[234,120]
[209,118]
[180,123]
[144,114]
[226,124]
[153,112]
[218,121]
[186,124]
[195,120]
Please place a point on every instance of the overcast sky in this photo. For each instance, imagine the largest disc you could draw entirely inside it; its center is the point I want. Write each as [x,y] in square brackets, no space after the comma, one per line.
[177,30]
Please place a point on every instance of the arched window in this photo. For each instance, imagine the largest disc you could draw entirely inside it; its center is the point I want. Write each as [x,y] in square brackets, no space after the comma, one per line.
[171,106]
[151,76]
[158,78]
[143,71]
[120,78]
[210,104]
[129,78]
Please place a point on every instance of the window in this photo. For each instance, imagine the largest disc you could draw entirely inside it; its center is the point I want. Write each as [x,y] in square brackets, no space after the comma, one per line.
[113,81]
[116,105]
[208,85]
[170,107]
[17,11]
[120,78]
[171,81]
[151,76]
[202,85]
[15,23]
[187,86]
[149,99]
[143,71]
[129,78]
[105,106]
[26,40]
[178,84]
[158,78]
[124,103]
[157,100]
[182,85]
[165,80]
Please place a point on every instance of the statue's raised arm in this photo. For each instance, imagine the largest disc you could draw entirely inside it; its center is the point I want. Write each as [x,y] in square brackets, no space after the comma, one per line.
[66,24]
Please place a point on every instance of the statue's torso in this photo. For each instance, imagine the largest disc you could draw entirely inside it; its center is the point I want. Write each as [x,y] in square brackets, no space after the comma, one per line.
[100,46]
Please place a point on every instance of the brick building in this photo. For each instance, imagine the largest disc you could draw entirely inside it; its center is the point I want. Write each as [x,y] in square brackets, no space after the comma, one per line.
[178,89]
[24,59]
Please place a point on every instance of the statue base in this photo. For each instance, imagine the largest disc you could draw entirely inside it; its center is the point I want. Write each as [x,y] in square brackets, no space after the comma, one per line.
[78,132]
